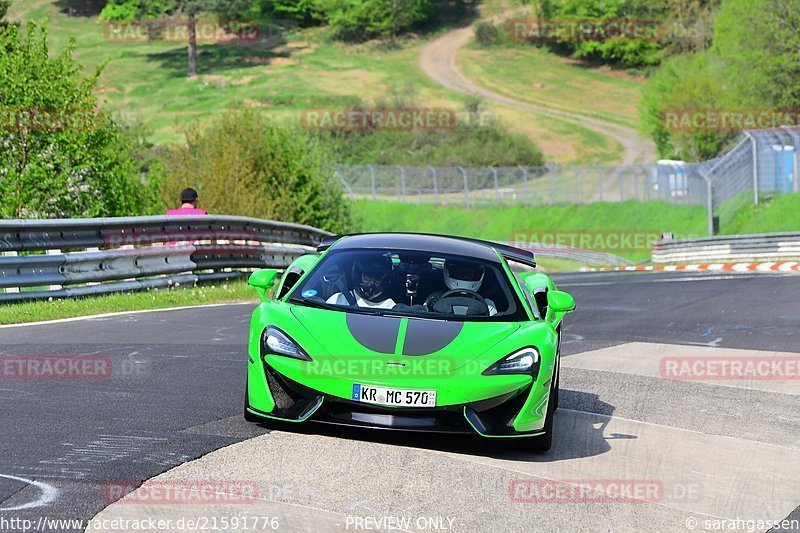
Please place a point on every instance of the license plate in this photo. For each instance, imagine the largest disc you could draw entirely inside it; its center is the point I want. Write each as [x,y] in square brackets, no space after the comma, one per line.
[394,397]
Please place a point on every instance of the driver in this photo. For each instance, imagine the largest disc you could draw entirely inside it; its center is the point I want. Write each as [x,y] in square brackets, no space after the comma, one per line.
[463,275]
[371,277]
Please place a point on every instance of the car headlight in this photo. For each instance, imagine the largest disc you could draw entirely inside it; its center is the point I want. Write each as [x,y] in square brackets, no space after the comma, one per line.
[277,342]
[525,361]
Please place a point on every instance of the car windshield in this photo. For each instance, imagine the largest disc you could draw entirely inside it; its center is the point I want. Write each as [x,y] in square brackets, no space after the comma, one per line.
[410,283]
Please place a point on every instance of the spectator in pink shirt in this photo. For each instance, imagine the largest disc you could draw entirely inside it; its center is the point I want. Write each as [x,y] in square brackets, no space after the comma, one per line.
[189,199]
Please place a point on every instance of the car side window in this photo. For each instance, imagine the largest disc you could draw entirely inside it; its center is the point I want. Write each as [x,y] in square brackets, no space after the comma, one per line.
[289,281]
[529,297]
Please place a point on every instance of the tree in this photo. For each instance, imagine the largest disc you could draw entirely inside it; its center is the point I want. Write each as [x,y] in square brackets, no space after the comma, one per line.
[301,12]
[626,50]
[129,10]
[60,155]
[242,163]
[689,25]
[4,5]
[758,44]
[684,84]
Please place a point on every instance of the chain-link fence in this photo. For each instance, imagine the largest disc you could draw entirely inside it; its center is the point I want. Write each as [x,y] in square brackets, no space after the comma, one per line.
[516,185]
[760,162]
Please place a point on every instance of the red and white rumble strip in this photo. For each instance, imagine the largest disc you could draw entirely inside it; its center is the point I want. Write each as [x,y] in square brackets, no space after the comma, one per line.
[780,266]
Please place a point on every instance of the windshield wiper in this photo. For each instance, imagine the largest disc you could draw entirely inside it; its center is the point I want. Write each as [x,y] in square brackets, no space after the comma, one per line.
[316,304]
[331,307]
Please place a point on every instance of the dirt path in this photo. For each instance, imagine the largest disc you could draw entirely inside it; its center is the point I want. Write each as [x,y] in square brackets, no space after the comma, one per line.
[438,61]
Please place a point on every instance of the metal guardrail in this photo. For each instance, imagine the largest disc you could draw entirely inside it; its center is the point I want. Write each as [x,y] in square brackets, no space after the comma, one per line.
[109,255]
[734,248]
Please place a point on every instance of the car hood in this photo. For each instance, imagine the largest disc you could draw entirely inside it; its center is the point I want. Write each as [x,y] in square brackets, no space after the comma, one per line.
[361,336]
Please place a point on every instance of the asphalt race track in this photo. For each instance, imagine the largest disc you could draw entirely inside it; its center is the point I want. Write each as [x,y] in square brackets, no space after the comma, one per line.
[705,452]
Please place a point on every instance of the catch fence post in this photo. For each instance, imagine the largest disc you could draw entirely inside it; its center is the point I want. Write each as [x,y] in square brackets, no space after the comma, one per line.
[496,187]
[435,186]
[372,179]
[466,185]
[524,185]
[402,182]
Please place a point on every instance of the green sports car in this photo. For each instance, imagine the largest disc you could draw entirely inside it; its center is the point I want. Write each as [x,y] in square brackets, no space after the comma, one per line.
[409,332]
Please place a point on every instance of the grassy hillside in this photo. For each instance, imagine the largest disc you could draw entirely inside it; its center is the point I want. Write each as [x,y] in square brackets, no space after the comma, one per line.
[146,82]
[780,213]
[776,214]
[538,76]
[501,222]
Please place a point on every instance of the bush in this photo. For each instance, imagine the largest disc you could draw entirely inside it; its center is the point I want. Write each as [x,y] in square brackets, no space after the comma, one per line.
[359,20]
[623,52]
[244,164]
[60,156]
[486,34]
[130,10]
[465,145]
[683,84]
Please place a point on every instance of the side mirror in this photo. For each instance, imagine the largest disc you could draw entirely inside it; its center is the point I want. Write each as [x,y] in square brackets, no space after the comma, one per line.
[560,302]
[262,281]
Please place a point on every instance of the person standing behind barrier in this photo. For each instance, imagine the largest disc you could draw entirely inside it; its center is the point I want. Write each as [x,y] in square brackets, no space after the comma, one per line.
[189,199]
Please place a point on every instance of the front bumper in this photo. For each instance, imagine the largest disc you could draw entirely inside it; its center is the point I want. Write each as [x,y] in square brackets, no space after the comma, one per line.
[518,411]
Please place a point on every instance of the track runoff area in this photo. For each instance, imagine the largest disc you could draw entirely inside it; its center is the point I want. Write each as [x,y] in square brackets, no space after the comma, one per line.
[678,412]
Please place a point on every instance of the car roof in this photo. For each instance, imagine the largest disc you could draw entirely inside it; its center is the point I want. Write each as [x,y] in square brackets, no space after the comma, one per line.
[443,244]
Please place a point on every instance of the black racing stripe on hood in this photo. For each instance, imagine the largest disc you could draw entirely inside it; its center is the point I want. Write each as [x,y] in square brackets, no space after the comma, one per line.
[375,333]
[427,336]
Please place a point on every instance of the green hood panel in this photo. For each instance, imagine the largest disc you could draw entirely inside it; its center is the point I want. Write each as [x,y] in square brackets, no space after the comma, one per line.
[352,335]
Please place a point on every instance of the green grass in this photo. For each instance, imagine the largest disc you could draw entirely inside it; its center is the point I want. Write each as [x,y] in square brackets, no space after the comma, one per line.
[546,264]
[599,220]
[38,311]
[146,82]
[537,76]
[771,215]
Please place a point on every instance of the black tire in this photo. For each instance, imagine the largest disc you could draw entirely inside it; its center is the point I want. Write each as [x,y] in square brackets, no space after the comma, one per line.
[543,443]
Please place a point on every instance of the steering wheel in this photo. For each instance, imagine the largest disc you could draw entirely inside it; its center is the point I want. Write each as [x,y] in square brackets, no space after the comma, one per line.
[462,294]
[466,292]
